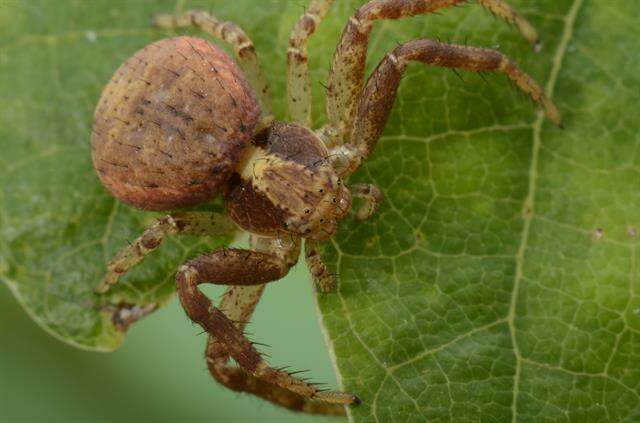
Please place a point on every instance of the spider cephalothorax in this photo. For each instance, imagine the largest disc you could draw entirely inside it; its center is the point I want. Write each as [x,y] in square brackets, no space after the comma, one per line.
[287,185]
[180,123]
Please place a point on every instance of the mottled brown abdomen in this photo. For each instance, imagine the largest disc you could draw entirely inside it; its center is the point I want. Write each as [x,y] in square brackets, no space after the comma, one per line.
[171,124]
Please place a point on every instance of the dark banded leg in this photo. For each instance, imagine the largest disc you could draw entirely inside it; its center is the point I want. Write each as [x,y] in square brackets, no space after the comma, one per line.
[380,92]
[194,223]
[241,267]
[346,78]
[229,33]
[238,304]
[237,379]
[298,79]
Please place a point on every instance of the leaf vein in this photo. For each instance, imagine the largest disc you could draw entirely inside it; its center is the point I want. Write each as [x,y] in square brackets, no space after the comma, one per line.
[528,204]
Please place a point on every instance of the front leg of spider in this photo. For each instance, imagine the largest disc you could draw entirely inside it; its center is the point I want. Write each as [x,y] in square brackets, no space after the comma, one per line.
[241,267]
[379,93]
[346,78]
[358,112]
[238,304]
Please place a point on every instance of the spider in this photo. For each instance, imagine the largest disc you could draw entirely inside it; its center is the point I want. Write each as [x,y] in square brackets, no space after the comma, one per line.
[181,122]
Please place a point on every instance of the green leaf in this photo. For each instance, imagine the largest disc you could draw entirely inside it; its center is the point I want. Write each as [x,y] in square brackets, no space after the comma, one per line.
[498,281]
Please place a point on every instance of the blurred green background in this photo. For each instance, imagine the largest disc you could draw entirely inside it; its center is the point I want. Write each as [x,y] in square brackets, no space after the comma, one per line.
[159,374]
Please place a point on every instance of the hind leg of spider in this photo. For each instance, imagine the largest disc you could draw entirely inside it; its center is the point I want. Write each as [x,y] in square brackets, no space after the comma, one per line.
[194,223]
[231,34]
[379,94]
[346,77]
[242,267]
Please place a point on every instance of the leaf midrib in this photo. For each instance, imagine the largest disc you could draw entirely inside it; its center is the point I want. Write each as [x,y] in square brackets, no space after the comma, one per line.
[528,206]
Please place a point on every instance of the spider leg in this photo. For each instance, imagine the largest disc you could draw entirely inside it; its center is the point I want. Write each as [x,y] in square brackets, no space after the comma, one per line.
[346,78]
[372,197]
[238,304]
[238,380]
[195,223]
[229,33]
[379,94]
[298,80]
[324,281]
[242,267]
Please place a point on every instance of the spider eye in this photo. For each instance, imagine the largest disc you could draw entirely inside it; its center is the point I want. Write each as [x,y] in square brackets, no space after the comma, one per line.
[321,220]
[334,200]
[307,211]
[321,190]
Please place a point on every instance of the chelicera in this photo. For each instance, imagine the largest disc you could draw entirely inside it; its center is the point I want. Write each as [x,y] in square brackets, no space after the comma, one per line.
[181,122]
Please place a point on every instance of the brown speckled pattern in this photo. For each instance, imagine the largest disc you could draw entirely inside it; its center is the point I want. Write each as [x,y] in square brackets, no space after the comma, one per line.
[171,124]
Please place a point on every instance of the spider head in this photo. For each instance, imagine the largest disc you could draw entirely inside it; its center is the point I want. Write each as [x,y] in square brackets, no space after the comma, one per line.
[325,200]
[287,185]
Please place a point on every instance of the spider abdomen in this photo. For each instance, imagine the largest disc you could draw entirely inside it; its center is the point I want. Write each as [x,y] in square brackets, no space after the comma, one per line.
[172,124]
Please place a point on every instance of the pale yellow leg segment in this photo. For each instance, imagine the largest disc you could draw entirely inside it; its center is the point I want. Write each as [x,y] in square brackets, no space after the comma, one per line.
[196,223]
[503,10]
[323,280]
[298,79]
[229,33]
